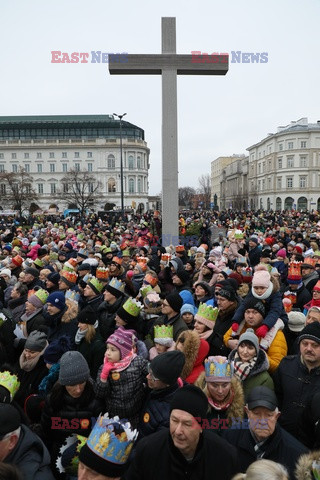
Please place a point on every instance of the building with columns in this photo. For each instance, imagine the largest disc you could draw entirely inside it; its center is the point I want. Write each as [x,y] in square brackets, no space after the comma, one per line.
[48,147]
[284,168]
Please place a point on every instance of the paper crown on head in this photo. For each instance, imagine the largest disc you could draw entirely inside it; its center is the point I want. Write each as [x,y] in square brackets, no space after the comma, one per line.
[42,295]
[132,306]
[166,257]
[238,234]
[116,260]
[112,439]
[102,273]
[68,460]
[150,280]
[310,261]
[143,260]
[70,276]
[95,285]
[126,252]
[38,262]
[218,369]
[10,382]
[116,286]
[68,267]
[82,252]
[294,272]
[163,334]
[179,248]
[72,295]
[17,260]
[86,278]
[207,314]
[73,262]
[145,290]
[53,256]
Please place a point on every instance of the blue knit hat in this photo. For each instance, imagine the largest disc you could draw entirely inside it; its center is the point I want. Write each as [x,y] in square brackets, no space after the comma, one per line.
[56,349]
[187,308]
[57,300]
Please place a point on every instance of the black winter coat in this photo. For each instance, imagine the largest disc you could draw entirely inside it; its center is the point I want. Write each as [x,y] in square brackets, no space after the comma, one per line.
[294,387]
[281,447]
[254,256]
[157,458]
[93,352]
[107,314]
[29,381]
[7,352]
[221,326]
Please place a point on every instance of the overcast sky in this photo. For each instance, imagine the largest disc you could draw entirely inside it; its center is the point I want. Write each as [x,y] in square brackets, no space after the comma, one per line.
[217,116]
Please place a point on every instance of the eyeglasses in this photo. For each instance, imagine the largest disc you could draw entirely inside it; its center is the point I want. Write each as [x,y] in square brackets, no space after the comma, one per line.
[151,374]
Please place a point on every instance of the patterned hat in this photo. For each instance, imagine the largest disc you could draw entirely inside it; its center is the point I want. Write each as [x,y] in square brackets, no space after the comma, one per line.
[207,315]
[294,273]
[69,278]
[130,310]
[123,340]
[218,369]
[72,295]
[108,446]
[180,249]
[163,334]
[95,285]
[152,300]
[83,253]
[144,290]
[116,287]
[102,273]
[17,261]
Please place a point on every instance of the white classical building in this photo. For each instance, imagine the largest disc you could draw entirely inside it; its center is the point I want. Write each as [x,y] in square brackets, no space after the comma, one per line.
[49,146]
[284,168]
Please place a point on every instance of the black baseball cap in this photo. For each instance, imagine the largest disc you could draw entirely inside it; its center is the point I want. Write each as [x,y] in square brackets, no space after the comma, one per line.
[262,397]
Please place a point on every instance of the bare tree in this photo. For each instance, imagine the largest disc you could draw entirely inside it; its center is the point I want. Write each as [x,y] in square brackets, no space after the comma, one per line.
[185,196]
[81,188]
[16,190]
[205,189]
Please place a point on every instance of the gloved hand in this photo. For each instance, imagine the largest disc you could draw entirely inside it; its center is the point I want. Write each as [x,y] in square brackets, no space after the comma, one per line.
[262,331]
[235,327]
[107,367]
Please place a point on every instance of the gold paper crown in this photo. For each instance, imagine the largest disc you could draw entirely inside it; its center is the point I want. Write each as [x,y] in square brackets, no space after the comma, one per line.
[145,290]
[97,286]
[310,261]
[179,248]
[71,276]
[294,270]
[166,257]
[42,295]
[150,279]
[72,295]
[10,382]
[73,262]
[238,235]
[117,284]
[132,307]
[163,331]
[207,314]
[116,260]
[218,369]
[143,260]
[102,273]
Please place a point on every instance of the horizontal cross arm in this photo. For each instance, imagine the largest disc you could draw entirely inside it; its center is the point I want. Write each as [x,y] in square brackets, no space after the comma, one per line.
[155,64]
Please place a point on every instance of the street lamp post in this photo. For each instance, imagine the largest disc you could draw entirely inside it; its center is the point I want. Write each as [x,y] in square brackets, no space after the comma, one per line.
[121,163]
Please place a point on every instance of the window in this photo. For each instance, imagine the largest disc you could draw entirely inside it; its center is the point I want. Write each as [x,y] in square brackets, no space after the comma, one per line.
[279,162]
[111,185]
[138,163]
[40,187]
[76,155]
[51,155]
[111,162]
[13,155]
[263,184]
[28,188]
[259,168]
[89,167]
[26,155]
[52,188]
[1,155]
[39,155]
[289,182]
[269,183]
[290,145]
[303,160]
[139,185]
[303,144]
[131,185]
[2,189]
[64,167]
[77,167]
[131,163]
[279,183]
[39,168]
[1,168]
[290,162]
[280,147]
[15,168]
[90,187]
[89,154]
[303,182]
[65,188]
[263,167]
[52,168]
[64,154]
[27,168]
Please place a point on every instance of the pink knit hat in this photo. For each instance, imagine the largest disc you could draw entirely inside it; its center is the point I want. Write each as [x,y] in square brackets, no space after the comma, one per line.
[123,340]
[282,253]
[261,278]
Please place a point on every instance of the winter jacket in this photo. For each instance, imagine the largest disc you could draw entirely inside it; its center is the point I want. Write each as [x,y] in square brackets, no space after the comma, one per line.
[31,457]
[29,381]
[158,459]
[294,386]
[7,352]
[17,307]
[36,321]
[107,314]
[59,327]
[258,375]
[195,350]
[221,326]
[254,256]
[218,420]
[310,280]
[281,447]
[124,392]
[156,411]
[276,351]
[93,352]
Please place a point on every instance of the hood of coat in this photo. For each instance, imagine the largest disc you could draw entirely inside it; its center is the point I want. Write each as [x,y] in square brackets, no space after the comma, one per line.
[261,365]
[304,464]
[191,344]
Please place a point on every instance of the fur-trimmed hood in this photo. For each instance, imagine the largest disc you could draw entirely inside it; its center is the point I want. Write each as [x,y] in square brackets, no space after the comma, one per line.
[236,410]
[191,343]
[261,365]
[304,464]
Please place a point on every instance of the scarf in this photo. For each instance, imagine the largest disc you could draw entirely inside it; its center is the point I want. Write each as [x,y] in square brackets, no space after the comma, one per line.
[222,406]
[82,333]
[315,303]
[28,365]
[205,334]
[265,295]
[124,363]
[242,369]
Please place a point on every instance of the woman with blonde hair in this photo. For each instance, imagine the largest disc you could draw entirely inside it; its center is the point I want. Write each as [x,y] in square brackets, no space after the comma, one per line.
[264,470]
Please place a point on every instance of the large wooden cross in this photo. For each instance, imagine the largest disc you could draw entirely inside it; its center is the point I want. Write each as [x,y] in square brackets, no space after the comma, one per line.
[168,64]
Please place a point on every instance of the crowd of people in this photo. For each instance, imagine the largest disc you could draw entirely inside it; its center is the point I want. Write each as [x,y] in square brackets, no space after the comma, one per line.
[122,358]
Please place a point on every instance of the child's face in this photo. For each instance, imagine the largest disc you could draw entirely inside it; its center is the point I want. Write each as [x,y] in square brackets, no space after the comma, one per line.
[259,290]
[187,317]
[112,353]
[160,348]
